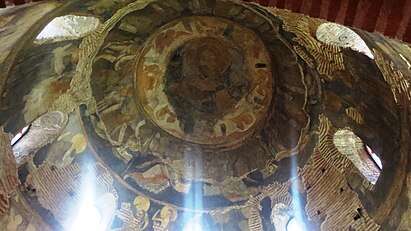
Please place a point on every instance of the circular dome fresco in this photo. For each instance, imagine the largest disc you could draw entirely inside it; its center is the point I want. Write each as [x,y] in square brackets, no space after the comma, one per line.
[194,91]
[203,85]
[217,115]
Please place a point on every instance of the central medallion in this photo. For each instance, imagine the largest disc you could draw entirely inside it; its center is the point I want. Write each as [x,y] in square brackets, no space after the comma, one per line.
[205,80]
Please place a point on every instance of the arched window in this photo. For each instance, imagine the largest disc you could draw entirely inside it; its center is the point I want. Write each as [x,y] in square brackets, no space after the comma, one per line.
[366,161]
[283,218]
[374,156]
[293,225]
[37,134]
[280,215]
[67,27]
[342,36]
[21,133]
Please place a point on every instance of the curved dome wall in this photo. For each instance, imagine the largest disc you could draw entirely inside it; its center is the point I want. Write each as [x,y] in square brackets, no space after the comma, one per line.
[213,114]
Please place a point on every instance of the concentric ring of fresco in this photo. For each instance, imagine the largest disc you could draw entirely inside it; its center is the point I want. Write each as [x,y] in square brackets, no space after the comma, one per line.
[205,80]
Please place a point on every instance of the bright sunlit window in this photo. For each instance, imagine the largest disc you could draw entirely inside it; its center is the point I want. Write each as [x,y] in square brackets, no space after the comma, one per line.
[89,218]
[293,225]
[21,133]
[374,156]
[361,155]
[342,36]
[34,136]
[68,27]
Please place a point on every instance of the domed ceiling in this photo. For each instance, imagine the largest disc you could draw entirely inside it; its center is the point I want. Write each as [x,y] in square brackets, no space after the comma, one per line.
[203,115]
